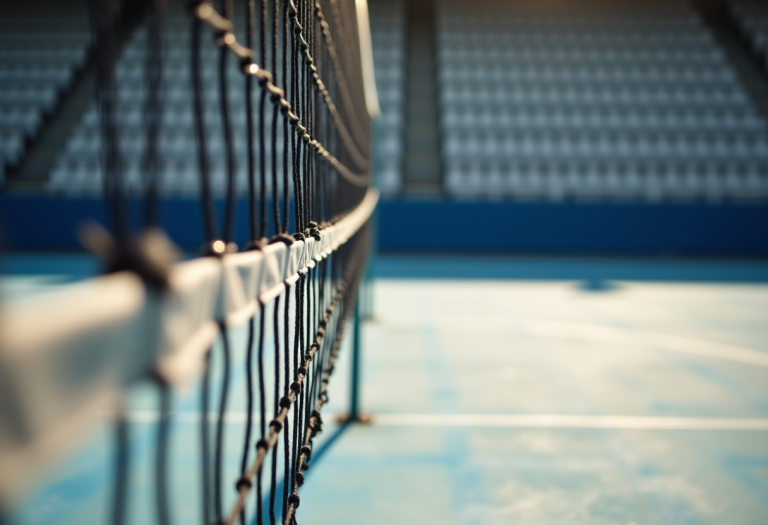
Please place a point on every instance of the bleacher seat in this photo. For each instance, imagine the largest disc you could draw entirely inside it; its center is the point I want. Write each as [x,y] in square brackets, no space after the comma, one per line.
[77,168]
[40,52]
[608,104]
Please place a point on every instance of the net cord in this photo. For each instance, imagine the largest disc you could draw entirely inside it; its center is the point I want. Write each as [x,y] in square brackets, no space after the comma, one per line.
[296,389]
[205,12]
[153,75]
[346,97]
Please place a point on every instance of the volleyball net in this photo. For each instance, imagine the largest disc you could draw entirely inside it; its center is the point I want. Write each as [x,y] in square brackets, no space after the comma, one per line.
[248,333]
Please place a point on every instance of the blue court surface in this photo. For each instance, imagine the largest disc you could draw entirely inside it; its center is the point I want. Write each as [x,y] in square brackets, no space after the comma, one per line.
[502,390]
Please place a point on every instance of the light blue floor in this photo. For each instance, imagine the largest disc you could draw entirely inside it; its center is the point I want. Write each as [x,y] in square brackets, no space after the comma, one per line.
[609,351]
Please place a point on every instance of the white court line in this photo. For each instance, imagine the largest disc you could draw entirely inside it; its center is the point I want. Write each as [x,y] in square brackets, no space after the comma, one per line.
[570,421]
[579,332]
[504,420]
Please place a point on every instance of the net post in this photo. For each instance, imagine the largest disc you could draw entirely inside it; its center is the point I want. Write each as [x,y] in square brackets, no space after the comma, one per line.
[354,400]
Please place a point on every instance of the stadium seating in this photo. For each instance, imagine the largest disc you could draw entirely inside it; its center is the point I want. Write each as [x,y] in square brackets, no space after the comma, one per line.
[40,53]
[388,35]
[78,170]
[604,105]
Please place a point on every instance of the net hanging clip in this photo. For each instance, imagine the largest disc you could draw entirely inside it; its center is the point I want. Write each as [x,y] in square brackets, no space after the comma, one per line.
[150,255]
[257,244]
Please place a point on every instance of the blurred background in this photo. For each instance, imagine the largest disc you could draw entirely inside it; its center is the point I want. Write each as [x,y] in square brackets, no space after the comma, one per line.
[568,301]
[545,127]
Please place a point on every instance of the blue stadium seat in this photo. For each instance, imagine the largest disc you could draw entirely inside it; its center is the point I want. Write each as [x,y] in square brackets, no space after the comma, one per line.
[604,105]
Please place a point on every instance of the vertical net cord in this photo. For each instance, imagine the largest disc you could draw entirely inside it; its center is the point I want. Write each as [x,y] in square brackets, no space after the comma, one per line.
[310,343]
[295,152]
[284,58]
[262,109]
[298,352]
[161,454]
[304,117]
[305,149]
[304,350]
[206,198]
[287,379]
[308,107]
[296,356]
[275,186]
[315,368]
[329,134]
[276,409]
[249,401]
[314,93]
[220,424]
[250,37]
[106,96]
[262,414]
[153,111]
[122,466]
[310,125]
[262,164]
[229,147]
[205,452]
[296,62]
[275,113]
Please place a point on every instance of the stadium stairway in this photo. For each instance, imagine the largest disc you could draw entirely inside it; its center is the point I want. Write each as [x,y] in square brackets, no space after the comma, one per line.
[35,165]
[727,25]
[43,47]
[422,144]
[388,35]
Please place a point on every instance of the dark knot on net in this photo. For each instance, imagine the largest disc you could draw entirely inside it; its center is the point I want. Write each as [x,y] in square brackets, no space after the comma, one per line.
[257,244]
[243,483]
[150,255]
[282,237]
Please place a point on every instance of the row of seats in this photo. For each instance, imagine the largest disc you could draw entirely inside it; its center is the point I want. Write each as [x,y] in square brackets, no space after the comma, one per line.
[387,19]
[171,145]
[558,182]
[579,118]
[606,147]
[621,43]
[593,106]
[602,96]
[180,177]
[40,51]
[533,62]
[78,167]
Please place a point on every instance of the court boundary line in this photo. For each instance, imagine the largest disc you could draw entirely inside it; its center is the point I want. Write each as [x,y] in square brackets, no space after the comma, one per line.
[575,421]
[591,333]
